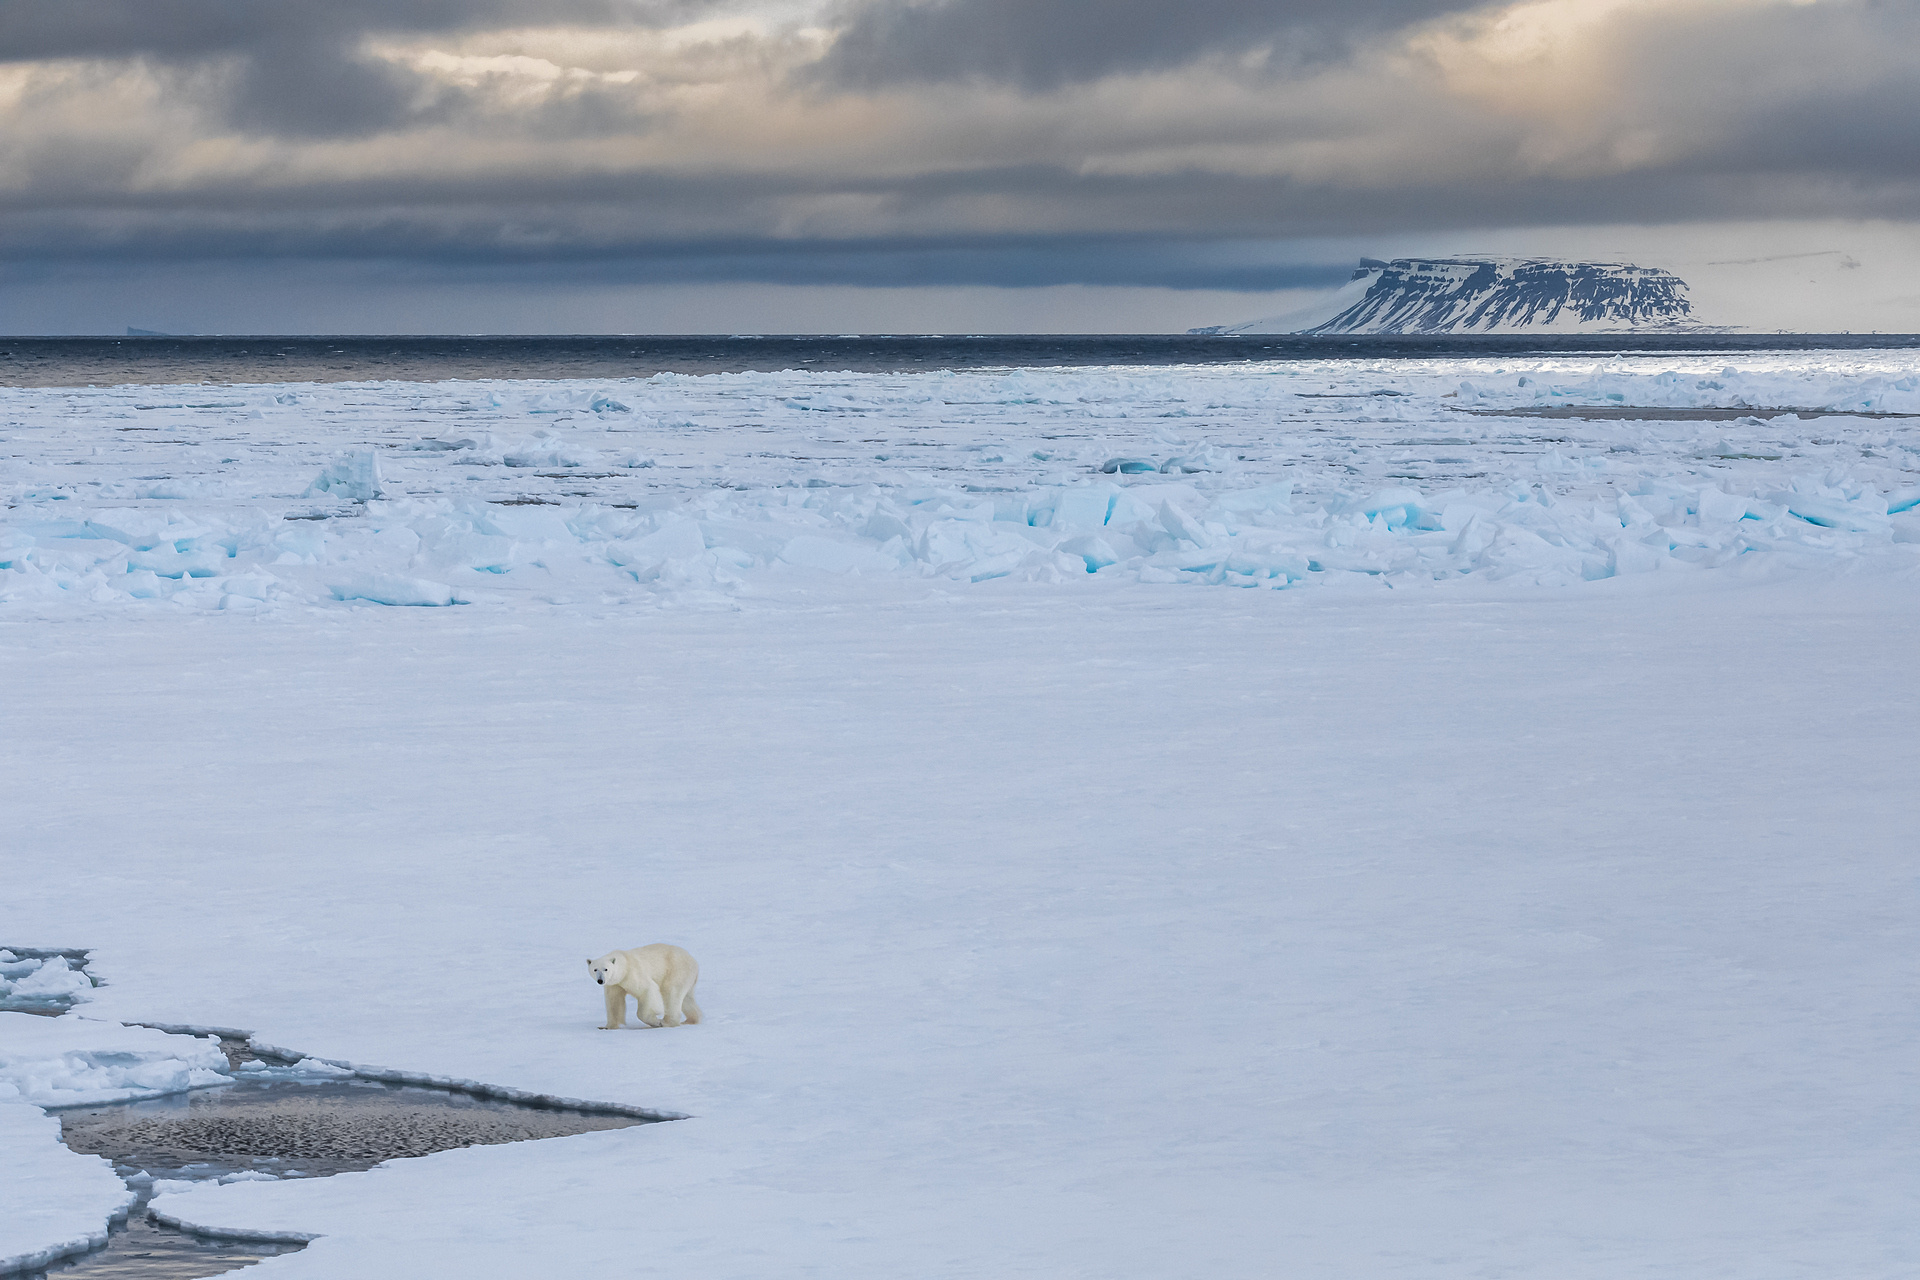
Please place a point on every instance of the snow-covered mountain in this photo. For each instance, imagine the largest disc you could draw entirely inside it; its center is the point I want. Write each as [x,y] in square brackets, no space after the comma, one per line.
[1492,295]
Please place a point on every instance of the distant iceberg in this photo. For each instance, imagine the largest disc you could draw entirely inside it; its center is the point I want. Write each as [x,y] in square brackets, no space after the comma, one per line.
[1492,295]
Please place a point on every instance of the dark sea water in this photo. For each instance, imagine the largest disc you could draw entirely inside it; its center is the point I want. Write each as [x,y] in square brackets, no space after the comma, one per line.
[58,362]
[281,1127]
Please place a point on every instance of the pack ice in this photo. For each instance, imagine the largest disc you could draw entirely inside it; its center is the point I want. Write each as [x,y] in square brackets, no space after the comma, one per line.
[1280,476]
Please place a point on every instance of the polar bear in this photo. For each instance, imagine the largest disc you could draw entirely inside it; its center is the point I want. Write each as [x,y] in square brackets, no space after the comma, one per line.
[659,976]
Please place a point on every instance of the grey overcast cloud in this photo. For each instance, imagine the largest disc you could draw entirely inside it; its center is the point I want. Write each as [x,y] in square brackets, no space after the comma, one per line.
[678,165]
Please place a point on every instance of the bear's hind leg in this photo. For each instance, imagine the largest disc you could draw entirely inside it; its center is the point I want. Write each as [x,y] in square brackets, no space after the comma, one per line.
[616,1008]
[688,1008]
[653,1010]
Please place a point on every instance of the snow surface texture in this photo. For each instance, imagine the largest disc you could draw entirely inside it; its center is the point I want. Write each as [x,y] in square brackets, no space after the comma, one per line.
[1492,295]
[1275,476]
[1520,925]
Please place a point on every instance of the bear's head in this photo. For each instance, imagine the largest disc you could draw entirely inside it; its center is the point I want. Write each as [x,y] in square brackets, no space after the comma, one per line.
[610,967]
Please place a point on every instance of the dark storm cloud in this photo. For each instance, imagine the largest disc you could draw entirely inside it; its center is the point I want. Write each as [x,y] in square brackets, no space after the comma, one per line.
[1005,262]
[1042,44]
[1010,262]
[187,29]
[1864,135]
[1812,89]
[318,88]
[293,69]
[1219,233]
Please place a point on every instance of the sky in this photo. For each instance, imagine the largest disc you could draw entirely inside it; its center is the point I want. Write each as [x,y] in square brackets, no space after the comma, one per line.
[932,165]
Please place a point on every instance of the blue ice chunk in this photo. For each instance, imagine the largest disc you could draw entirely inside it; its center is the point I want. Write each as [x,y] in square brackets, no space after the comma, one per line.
[1266,497]
[1398,507]
[354,478]
[1096,551]
[1083,506]
[1180,525]
[394,589]
[1832,513]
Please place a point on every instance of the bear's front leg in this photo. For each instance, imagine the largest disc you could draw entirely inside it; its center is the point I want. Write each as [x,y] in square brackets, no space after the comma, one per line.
[653,1010]
[616,1008]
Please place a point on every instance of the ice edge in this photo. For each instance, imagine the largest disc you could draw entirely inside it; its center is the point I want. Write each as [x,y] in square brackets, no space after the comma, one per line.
[231,1233]
[389,1075]
[39,1258]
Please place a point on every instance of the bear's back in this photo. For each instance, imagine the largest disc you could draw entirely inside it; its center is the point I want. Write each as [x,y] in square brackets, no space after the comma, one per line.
[662,961]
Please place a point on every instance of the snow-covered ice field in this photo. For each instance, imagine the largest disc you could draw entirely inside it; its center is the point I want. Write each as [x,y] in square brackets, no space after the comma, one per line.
[1520,883]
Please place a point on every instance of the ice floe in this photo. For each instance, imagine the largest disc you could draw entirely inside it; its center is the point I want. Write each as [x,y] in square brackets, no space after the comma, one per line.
[71,1061]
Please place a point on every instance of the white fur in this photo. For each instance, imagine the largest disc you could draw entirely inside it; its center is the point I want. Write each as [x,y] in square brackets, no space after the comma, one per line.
[659,976]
